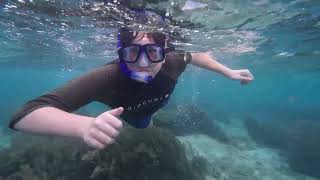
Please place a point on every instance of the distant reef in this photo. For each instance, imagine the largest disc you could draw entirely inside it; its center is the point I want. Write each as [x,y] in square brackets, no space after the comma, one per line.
[189,120]
[299,141]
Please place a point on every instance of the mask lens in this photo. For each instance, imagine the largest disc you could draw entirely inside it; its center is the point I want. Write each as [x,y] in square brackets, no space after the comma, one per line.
[131,53]
[155,53]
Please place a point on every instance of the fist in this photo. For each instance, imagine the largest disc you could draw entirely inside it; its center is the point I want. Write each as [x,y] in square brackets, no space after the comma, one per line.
[103,130]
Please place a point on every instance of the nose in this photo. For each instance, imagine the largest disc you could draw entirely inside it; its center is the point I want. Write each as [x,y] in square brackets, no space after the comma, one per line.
[143,61]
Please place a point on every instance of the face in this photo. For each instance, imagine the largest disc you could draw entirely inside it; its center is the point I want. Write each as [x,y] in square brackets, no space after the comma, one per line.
[143,64]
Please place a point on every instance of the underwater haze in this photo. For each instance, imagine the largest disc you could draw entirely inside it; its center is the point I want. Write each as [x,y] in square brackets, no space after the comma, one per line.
[268,129]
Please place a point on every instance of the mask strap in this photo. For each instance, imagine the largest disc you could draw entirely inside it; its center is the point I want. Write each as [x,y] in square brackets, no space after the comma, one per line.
[119,45]
[123,66]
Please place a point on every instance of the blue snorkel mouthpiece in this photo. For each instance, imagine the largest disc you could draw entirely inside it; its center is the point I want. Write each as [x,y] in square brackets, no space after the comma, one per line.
[138,76]
[141,77]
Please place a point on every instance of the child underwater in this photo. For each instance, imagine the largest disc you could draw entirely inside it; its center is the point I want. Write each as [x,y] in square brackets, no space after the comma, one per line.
[135,86]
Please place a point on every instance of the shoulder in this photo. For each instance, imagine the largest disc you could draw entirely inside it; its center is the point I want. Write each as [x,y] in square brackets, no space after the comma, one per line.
[176,62]
[178,56]
[100,76]
[177,59]
[109,69]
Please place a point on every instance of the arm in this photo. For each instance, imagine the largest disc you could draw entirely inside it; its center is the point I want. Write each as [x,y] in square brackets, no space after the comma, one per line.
[96,132]
[53,121]
[205,61]
[50,114]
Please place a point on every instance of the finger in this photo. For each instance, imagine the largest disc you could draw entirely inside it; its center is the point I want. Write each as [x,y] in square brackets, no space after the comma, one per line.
[108,130]
[95,144]
[115,123]
[243,78]
[250,75]
[116,112]
[111,120]
[102,138]
[247,73]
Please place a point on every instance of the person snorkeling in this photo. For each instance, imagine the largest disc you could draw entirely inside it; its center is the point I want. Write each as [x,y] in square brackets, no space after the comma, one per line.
[135,86]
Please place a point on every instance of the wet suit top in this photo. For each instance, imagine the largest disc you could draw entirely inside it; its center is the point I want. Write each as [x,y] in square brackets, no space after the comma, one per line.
[110,86]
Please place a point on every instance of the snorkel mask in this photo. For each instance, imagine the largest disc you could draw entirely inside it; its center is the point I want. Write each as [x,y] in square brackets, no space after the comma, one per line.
[132,53]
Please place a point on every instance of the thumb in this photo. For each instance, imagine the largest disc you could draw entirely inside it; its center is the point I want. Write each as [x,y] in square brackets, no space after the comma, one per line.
[116,112]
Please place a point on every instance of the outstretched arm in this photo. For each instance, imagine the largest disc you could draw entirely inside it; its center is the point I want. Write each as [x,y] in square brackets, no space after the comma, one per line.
[50,114]
[204,60]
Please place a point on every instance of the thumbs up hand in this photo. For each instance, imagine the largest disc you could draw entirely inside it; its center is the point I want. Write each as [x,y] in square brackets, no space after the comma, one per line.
[103,130]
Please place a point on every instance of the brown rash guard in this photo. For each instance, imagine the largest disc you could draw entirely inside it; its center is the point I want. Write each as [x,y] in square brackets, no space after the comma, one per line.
[110,86]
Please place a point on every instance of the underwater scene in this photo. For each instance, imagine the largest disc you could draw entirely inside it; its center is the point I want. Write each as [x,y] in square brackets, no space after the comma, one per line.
[212,128]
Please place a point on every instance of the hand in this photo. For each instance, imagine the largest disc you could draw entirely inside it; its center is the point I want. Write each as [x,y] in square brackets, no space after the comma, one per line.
[243,75]
[102,130]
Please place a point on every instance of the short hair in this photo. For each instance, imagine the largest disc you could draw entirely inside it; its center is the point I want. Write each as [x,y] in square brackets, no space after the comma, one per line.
[145,22]
[126,36]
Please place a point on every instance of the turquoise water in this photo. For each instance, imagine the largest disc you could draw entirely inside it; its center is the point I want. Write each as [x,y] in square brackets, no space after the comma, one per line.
[278,41]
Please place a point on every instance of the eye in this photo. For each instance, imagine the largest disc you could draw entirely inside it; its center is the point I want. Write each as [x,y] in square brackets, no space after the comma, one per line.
[134,50]
[152,50]
[130,53]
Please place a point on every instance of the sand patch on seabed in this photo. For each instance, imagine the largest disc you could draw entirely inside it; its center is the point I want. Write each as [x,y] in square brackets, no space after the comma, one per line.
[243,159]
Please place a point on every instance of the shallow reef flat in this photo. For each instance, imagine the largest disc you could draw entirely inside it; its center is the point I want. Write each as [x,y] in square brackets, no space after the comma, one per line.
[242,157]
[190,145]
[228,162]
[152,153]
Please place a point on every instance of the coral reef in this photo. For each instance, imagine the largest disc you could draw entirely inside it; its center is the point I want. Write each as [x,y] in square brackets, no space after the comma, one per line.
[273,134]
[189,120]
[304,148]
[152,153]
[299,141]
